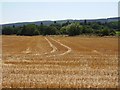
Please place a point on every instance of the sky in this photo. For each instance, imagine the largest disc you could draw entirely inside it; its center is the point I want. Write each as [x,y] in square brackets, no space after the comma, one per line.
[12,12]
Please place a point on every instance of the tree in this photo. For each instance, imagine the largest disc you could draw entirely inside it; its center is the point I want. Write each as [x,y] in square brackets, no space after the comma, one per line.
[36,32]
[74,29]
[42,29]
[71,29]
[19,32]
[87,29]
[51,30]
[97,32]
[13,26]
[8,30]
[55,22]
[113,25]
[23,30]
[95,26]
[28,29]
[66,23]
[105,32]
[58,26]
[41,23]
[112,32]
[63,30]
[85,22]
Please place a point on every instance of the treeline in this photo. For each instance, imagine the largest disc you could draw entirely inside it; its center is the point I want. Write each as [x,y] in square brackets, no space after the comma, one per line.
[68,28]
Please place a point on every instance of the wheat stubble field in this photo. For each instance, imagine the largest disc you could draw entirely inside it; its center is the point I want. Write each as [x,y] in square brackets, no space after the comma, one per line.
[59,62]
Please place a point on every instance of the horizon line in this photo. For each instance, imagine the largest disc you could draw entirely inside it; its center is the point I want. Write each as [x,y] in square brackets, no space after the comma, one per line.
[55,20]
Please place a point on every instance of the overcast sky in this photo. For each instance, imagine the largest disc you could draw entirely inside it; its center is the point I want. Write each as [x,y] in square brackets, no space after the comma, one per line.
[36,11]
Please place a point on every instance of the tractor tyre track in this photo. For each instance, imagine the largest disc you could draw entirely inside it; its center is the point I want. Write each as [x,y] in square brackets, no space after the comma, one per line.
[52,46]
[68,48]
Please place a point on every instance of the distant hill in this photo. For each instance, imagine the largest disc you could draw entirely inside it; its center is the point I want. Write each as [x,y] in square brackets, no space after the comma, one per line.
[63,21]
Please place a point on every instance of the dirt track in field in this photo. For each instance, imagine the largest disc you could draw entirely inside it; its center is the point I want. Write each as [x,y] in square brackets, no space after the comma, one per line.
[60,62]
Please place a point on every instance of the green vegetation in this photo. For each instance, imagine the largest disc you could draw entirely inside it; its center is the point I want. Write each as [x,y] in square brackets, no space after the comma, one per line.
[68,28]
[118,33]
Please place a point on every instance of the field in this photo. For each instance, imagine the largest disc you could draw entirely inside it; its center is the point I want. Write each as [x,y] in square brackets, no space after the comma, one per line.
[59,62]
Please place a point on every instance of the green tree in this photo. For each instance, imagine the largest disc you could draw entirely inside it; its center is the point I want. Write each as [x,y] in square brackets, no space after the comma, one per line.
[23,30]
[42,29]
[95,26]
[58,26]
[74,29]
[55,22]
[28,30]
[63,30]
[36,32]
[19,32]
[7,30]
[105,32]
[113,25]
[66,23]
[112,32]
[85,22]
[51,30]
